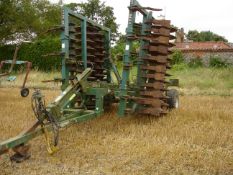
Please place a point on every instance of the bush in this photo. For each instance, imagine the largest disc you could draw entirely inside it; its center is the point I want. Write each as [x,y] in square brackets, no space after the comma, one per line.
[177,57]
[179,67]
[34,52]
[216,62]
[195,63]
[117,52]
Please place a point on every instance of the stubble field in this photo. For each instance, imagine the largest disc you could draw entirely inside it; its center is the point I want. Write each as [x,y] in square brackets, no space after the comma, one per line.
[195,139]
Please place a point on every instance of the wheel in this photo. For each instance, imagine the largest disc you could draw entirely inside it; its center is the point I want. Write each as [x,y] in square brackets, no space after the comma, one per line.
[24,92]
[173,98]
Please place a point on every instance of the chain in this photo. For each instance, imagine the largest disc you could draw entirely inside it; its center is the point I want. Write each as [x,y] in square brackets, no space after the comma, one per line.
[45,117]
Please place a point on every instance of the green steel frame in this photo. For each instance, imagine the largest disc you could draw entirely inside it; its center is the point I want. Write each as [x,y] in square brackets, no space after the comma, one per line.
[127,62]
[62,108]
[65,39]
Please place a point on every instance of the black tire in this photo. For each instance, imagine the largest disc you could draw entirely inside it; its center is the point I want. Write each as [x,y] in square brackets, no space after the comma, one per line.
[24,92]
[173,98]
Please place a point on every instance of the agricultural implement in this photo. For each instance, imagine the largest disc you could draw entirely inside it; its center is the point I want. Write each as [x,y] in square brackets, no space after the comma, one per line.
[24,92]
[88,83]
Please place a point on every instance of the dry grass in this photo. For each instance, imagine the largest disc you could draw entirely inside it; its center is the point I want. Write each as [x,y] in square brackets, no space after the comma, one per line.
[204,81]
[196,139]
[35,79]
[198,81]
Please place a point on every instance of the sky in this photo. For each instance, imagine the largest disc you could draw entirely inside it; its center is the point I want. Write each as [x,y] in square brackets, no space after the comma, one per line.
[201,15]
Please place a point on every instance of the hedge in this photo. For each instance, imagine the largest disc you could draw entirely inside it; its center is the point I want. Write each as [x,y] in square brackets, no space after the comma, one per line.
[34,52]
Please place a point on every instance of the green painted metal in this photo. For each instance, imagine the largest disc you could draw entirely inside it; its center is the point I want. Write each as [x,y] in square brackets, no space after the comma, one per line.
[75,117]
[17,62]
[66,36]
[124,87]
[64,115]
[65,48]
[143,43]
[78,16]
[126,61]
[68,95]
[64,108]
[141,53]
[84,42]
[107,46]
[136,3]
[99,93]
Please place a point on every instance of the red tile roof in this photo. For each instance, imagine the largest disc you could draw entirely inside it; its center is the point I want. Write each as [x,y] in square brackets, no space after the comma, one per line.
[203,46]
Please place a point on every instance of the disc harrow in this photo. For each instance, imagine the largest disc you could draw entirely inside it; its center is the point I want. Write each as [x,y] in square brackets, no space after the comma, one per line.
[95,49]
[88,88]
[154,68]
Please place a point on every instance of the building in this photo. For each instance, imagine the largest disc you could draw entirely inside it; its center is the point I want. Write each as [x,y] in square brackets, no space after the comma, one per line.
[205,51]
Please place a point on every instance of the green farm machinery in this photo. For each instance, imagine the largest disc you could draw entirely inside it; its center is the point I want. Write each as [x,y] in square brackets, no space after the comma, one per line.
[91,82]
[24,92]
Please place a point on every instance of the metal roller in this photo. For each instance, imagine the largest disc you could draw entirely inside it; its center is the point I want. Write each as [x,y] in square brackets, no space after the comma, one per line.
[154,67]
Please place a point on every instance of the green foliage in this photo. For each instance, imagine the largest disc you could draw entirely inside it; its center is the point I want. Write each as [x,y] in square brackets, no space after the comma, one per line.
[119,49]
[7,19]
[35,53]
[97,11]
[135,50]
[216,62]
[177,57]
[196,36]
[195,63]
[180,67]
[24,19]
[204,80]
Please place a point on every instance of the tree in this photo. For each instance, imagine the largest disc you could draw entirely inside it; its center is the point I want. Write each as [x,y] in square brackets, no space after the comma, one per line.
[194,35]
[98,12]
[24,19]
[7,19]
[48,14]
[118,49]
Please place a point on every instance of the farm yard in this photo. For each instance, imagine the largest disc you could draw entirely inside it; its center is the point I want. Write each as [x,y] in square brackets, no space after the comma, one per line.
[102,87]
[195,139]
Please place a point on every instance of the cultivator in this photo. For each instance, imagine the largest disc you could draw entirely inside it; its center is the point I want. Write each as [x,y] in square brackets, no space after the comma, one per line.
[93,56]
[154,35]
[87,83]
[85,44]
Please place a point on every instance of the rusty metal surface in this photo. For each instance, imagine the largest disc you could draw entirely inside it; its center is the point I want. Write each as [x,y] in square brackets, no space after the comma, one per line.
[95,50]
[156,76]
[156,85]
[155,94]
[156,59]
[163,50]
[154,68]
[164,31]
[142,9]
[160,23]
[156,103]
